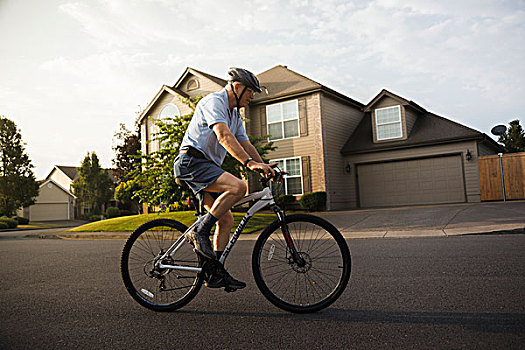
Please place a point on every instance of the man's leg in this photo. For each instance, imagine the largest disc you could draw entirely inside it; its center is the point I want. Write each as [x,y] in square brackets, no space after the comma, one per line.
[231,194]
[232,189]
[224,227]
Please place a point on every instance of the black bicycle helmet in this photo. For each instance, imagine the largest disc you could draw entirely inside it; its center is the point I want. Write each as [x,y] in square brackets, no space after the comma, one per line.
[244,77]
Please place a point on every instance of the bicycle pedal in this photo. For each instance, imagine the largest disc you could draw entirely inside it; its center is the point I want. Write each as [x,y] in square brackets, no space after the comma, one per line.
[229,289]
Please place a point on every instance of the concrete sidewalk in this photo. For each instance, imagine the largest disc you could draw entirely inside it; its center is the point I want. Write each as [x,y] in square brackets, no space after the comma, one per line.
[420,221]
[431,221]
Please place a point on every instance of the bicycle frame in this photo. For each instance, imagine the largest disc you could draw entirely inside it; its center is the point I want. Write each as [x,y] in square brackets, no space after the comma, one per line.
[263,198]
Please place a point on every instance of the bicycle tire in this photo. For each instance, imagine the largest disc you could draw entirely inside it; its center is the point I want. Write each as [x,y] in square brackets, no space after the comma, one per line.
[309,288]
[165,290]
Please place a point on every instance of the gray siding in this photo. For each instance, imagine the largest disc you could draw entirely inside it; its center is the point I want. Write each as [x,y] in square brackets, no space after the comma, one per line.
[410,120]
[339,121]
[484,150]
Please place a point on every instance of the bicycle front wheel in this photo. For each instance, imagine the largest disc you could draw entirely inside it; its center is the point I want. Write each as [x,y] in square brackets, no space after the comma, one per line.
[152,287]
[320,277]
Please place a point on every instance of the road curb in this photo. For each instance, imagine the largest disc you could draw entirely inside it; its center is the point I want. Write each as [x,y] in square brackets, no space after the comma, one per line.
[520,229]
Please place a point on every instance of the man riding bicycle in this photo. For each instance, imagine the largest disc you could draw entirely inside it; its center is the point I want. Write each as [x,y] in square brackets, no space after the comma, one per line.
[216,129]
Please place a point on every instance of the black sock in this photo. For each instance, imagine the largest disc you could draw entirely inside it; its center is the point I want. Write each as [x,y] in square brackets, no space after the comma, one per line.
[207,223]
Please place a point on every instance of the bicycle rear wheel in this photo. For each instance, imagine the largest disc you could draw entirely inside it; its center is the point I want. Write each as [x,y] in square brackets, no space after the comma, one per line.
[154,288]
[312,285]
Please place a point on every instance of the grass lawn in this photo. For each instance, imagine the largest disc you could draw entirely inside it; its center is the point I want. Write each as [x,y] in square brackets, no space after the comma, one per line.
[130,223]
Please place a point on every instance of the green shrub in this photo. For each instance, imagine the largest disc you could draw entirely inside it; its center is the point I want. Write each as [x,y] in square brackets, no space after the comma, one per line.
[3,225]
[96,218]
[112,212]
[285,201]
[314,201]
[11,223]
[21,220]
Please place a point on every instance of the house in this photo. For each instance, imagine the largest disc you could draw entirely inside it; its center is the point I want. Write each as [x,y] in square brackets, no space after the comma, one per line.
[388,152]
[401,154]
[55,200]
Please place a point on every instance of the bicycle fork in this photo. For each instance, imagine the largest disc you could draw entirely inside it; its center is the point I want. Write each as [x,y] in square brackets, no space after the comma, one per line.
[294,254]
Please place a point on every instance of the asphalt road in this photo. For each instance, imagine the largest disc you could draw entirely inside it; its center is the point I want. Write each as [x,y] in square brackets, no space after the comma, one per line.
[452,292]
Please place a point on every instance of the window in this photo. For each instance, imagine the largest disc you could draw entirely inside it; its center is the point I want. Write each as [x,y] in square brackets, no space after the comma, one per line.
[193,84]
[388,123]
[169,111]
[293,183]
[283,120]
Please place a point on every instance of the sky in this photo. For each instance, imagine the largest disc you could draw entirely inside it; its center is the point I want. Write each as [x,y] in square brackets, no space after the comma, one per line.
[72,71]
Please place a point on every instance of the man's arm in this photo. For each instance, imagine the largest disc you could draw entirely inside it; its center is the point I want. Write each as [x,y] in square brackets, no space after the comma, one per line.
[252,151]
[239,151]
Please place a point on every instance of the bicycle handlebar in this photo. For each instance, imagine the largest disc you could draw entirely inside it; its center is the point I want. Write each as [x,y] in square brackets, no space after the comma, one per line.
[278,176]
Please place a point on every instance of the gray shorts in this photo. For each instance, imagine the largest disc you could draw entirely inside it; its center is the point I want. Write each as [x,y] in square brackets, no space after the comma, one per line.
[197,173]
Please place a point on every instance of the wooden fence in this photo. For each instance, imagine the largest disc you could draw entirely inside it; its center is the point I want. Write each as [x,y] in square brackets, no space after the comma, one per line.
[513,165]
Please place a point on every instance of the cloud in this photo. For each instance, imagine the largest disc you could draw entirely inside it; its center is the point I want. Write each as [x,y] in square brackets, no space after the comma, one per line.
[457,58]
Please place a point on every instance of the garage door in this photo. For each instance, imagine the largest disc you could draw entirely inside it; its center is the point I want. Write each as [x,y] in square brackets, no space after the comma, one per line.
[48,211]
[421,181]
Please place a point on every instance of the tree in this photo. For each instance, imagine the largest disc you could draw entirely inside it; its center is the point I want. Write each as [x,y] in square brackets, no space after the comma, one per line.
[93,188]
[155,178]
[514,138]
[18,187]
[152,180]
[126,152]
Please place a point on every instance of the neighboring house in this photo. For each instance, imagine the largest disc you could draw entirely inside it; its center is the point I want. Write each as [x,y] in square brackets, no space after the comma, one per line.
[56,200]
[388,152]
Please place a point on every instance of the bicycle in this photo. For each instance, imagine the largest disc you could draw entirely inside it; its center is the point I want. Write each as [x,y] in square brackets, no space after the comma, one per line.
[300,263]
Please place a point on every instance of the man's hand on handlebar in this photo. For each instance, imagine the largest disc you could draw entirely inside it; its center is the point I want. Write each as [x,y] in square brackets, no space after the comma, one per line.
[264,169]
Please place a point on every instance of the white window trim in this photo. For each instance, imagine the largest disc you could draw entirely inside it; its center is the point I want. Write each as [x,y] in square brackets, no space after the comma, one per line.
[291,176]
[389,123]
[282,121]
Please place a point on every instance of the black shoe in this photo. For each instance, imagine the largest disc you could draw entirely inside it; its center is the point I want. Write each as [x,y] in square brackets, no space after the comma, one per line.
[201,243]
[221,278]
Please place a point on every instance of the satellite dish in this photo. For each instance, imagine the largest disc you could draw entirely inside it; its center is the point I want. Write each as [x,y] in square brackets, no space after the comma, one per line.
[498,130]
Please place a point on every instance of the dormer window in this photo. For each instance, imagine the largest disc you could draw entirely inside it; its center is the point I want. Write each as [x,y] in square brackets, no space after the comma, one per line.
[193,84]
[388,123]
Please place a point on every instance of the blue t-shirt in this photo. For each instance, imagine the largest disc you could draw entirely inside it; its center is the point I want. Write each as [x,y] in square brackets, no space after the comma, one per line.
[211,110]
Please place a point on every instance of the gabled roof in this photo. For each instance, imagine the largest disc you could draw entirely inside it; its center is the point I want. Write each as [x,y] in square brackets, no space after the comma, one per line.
[58,186]
[194,71]
[69,171]
[282,82]
[72,172]
[429,129]
[398,98]
[163,89]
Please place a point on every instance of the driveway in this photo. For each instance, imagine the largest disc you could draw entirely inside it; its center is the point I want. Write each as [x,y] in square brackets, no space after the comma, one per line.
[436,220]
